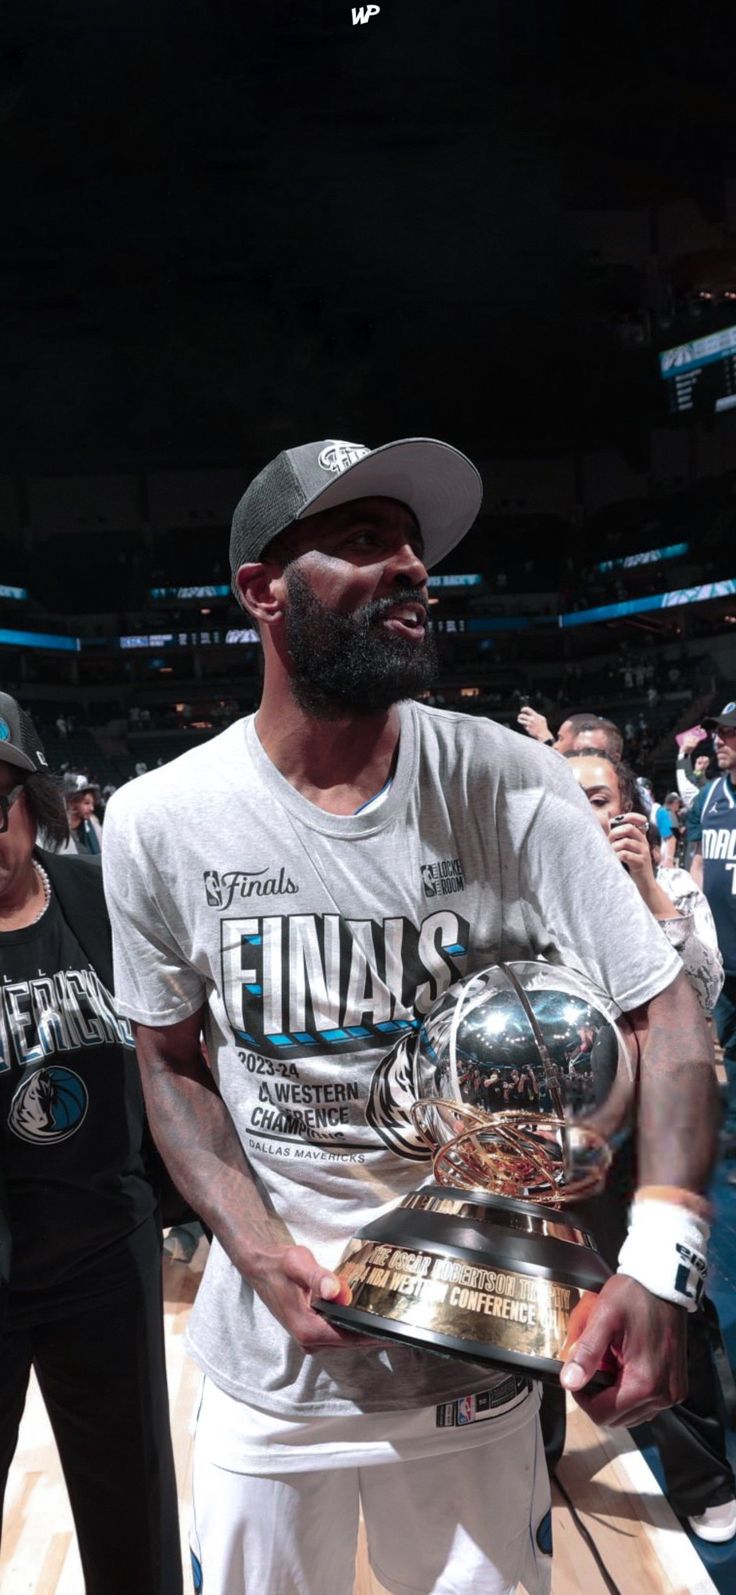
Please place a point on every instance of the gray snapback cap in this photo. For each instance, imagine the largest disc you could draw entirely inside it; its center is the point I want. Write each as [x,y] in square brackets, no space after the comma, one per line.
[438,483]
[76,785]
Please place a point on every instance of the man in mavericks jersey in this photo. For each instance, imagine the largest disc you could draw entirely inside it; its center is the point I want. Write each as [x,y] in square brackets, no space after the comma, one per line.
[712,828]
[300,890]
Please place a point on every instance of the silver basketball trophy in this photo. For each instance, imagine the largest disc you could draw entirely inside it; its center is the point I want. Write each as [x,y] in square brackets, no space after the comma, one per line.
[514,1085]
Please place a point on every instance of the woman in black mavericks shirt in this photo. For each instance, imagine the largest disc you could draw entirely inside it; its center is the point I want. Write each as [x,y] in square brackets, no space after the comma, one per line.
[81,1298]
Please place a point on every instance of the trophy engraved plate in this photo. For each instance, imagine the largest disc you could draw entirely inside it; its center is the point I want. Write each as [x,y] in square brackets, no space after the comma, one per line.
[518,1077]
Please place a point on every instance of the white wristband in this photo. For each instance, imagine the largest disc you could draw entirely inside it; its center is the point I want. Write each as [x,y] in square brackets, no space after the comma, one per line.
[666,1250]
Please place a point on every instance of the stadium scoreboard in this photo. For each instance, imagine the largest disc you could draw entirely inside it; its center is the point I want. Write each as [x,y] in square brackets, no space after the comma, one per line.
[700,376]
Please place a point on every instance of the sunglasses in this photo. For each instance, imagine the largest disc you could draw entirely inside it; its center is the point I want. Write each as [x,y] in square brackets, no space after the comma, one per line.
[6,803]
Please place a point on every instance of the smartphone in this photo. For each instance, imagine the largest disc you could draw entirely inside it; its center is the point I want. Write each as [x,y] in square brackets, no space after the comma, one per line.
[693,731]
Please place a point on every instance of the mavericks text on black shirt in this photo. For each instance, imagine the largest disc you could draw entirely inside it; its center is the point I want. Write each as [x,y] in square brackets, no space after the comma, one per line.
[71,1126]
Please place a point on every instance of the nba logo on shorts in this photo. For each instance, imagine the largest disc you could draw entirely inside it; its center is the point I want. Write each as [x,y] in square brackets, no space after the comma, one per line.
[466,1409]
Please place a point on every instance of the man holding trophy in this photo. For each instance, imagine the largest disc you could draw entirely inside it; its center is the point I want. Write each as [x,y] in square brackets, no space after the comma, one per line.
[304,891]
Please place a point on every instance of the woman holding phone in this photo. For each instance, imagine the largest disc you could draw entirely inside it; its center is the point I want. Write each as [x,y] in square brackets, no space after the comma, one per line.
[690,1437]
[671,895]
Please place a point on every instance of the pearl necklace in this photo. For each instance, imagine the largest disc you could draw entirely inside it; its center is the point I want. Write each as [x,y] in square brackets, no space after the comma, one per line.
[46,886]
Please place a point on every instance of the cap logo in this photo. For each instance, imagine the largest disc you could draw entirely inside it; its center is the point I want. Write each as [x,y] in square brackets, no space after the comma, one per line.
[4,731]
[41,758]
[728,708]
[338,456]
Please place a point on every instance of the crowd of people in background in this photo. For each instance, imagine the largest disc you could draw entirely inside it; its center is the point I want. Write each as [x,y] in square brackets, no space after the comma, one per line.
[690,833]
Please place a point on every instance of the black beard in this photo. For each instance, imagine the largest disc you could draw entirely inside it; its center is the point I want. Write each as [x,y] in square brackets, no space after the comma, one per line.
[351,662]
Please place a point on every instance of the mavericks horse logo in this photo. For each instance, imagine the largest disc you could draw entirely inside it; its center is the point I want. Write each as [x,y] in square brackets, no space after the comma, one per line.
[48,1106]
[393,1090]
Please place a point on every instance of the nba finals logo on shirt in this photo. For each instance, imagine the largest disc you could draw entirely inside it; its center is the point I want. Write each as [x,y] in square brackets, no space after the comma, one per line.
[444,878]
[337,456]
[220,889]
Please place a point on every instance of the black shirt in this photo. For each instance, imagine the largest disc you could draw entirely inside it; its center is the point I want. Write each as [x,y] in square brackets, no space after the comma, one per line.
[80,1205]
[85,839]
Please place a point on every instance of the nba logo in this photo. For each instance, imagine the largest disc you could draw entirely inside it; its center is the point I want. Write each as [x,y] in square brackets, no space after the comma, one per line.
[212,888]
[466,1409]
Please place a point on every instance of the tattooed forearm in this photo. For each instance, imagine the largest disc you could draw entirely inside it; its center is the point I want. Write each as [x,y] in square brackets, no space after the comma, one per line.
[199,1145]
[677,1098]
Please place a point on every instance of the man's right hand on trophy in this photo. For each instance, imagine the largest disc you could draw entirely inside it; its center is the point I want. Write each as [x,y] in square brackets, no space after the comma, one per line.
[637,1338]
[289,1279]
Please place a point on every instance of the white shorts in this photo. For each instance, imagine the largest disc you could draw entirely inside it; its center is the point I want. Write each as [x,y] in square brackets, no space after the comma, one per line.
[467,1521]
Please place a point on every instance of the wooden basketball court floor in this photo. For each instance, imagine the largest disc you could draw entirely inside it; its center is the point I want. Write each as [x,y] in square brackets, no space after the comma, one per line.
[614,1533]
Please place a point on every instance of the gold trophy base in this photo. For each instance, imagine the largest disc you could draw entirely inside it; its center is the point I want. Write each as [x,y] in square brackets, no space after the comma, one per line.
[466,1274]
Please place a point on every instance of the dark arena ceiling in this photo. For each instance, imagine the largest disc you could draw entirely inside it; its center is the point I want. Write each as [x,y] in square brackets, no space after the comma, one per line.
[228,226]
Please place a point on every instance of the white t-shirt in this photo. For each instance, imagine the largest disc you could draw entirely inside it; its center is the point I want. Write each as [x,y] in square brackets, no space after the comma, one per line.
[315,941]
